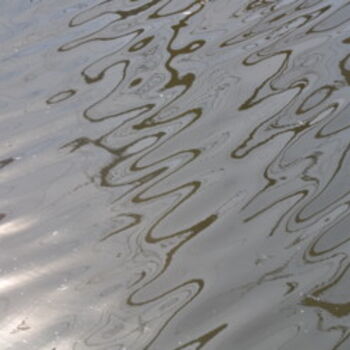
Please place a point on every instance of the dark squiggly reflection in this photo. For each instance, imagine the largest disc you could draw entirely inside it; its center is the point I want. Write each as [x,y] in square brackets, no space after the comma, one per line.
[307,175]
[174,175]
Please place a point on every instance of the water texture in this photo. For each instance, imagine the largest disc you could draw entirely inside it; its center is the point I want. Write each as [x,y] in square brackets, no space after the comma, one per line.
[174,174]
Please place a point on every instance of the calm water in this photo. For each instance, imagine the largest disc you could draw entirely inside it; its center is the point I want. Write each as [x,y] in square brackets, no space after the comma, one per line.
[175,174]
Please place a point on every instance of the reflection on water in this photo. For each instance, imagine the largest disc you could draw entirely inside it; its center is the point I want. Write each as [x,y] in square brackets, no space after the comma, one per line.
[174,174]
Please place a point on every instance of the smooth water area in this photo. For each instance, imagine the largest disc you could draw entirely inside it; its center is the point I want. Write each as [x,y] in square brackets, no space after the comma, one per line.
[174,174]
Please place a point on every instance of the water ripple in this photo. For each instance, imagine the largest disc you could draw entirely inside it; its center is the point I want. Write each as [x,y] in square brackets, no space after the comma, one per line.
[174,174]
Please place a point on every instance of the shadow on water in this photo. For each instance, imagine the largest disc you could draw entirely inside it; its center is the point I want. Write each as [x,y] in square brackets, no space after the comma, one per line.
[174,174]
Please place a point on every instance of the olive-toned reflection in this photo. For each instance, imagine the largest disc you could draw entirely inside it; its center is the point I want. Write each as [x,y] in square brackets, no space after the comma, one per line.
[174,175]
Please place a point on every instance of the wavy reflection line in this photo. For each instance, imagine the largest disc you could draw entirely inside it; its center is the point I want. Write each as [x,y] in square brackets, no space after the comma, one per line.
[342,329]
[334,20]
[163,168]
[186,10]
[135,220]
[204,339]
[314,252]
[339,166]
[174,80]
[198,283]
[244,149]
[104,35]
[272,182]
[317,299]
[93,78]
[269,29]
[61,96]
[344,65]
[122,14]
[324,133]
[156,314]
[267,84]
[190,290]
[270,129]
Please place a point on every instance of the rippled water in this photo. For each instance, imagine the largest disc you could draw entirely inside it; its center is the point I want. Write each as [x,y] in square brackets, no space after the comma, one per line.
[174,174]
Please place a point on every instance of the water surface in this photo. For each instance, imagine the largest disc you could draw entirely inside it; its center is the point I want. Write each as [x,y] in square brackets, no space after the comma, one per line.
[174,174]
